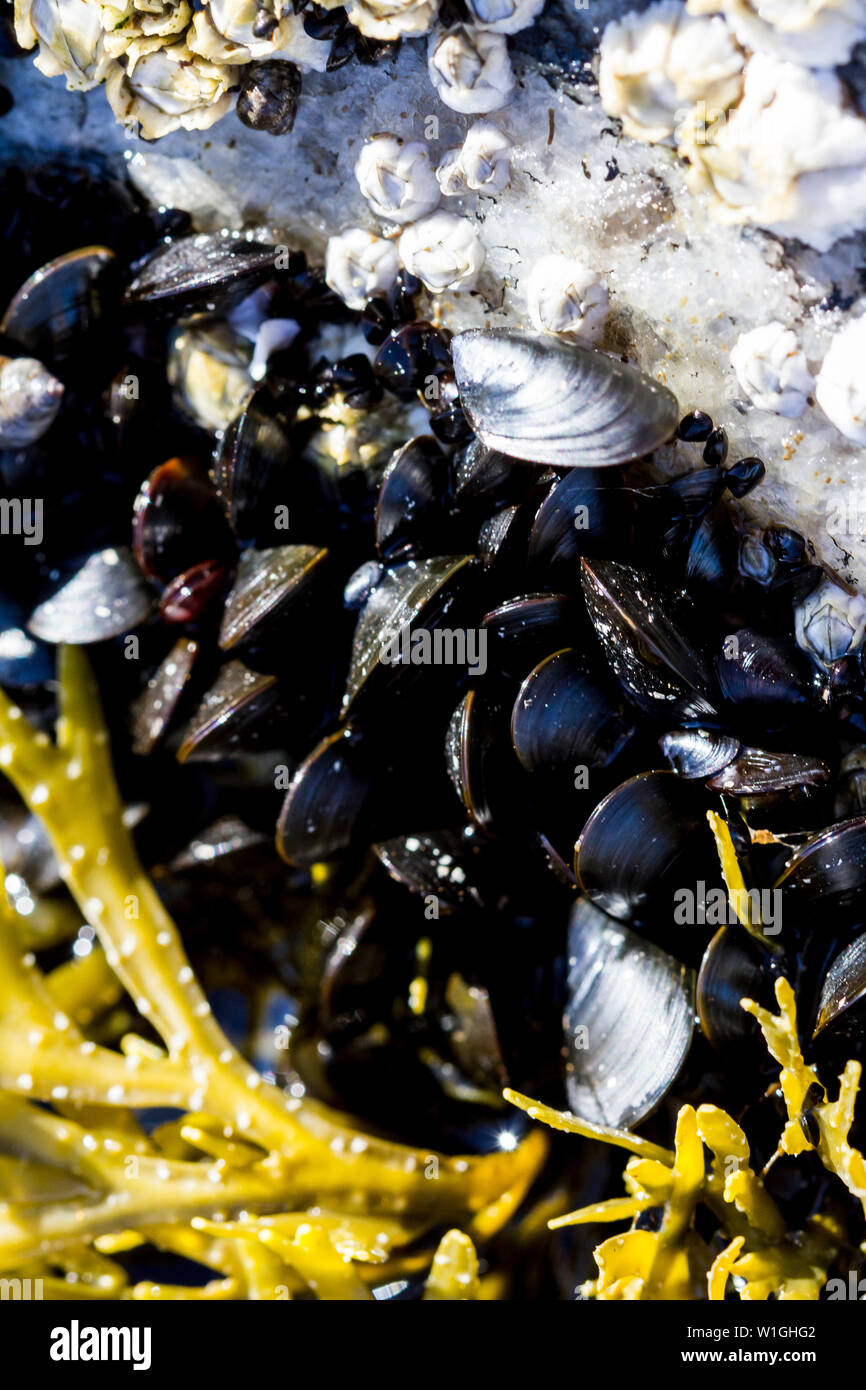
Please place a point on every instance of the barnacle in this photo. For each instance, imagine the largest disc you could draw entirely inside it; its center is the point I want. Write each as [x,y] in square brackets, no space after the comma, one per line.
[230,1183]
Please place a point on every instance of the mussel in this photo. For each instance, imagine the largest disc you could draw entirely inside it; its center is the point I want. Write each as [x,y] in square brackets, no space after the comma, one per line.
[628,1022]
[554,403]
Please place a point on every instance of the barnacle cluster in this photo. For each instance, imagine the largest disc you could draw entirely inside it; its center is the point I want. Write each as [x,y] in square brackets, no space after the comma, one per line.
[748,94]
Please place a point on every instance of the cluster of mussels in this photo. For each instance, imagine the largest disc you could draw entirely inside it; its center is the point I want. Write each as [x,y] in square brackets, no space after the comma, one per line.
[421,726]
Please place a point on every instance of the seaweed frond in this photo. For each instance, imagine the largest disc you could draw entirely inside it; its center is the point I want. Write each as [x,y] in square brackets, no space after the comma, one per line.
[762,1256]
[273,1192]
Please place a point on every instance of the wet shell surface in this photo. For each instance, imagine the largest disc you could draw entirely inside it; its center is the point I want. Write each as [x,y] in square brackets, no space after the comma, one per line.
[558,403]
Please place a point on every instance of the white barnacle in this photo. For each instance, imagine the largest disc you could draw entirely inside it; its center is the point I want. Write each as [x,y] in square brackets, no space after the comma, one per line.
[29,401]
[359,266]
[504,16]
[170,89]
[481,164]
[566,298]
[444,251]
[771,368]
[224,31]
[397,179]
[830,623]
[392,19]
[470,69]
[657,65]
[790,158]
[814,33]
[70,39]
[841,388]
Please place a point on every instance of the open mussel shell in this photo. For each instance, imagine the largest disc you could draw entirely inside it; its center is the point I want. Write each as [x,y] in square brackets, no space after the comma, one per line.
[824,883]
[153,710]
[230,716]
[411,509]
[628,1022]
[415,598]
[105,598]
[204,272]
[759,772]
[328,800]
[699,753]
[734,967]
[178,521]
[589,512]
[268,584]
[648,633]
[524,630]
[563,717]
[765,676]
[61,306]
[843,991]
[556,403]
[645,842]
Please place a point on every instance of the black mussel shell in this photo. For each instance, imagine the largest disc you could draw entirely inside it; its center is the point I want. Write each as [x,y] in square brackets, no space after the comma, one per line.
[711,560]
[564,717]
[551,402]
[268,99]
[230,715]
[203,273]
[628,1022]
[479,762]
[178,521]
[418,597]
[764,676]
[62,307]
[481,472]
[411,513]
[649,634]
[696,427]
[328,801]
[683,502]
[413,358]
[645,842]
[824,883]
[589,512]
[268,584]
[189,597]
[250,463]
[524,630]
[734,967]
[699,753]
[106,597]
[155,707]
